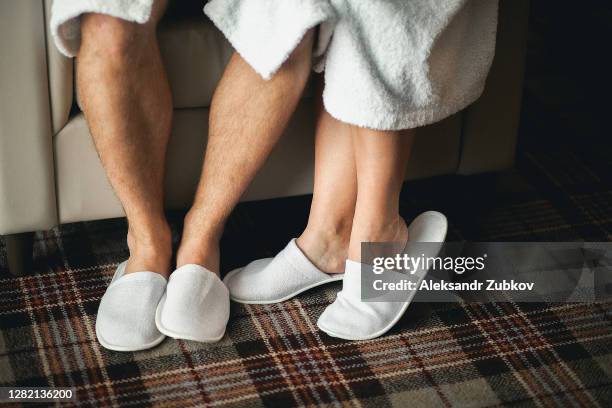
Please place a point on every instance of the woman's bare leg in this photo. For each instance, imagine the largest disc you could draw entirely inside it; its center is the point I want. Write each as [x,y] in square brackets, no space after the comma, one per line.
[326,237]
[381,158]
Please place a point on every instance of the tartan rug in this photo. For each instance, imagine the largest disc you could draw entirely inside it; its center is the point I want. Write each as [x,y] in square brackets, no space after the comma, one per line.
[437,355]
[456,354]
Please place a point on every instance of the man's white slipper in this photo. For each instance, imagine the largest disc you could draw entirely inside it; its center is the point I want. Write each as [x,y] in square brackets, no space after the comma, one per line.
[350,318]
[126,315]
[195,307]
[273,280]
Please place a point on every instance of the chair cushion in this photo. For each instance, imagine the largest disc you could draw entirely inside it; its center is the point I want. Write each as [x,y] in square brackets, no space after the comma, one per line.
[84,193]
[195,54]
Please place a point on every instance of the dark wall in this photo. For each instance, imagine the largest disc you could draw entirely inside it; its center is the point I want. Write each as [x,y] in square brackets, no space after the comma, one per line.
[567,96]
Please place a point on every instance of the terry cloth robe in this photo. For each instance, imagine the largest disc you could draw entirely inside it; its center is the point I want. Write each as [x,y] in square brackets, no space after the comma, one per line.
[388,64]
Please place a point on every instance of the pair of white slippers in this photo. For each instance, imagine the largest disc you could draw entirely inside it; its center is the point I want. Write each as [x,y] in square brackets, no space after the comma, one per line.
[289,273]
[140,309]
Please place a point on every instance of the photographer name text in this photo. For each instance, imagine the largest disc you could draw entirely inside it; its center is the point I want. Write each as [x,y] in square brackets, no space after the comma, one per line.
[475,285]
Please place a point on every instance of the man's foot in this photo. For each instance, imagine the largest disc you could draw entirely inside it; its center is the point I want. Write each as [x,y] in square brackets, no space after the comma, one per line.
[203,252]
[126,315]
[196,305]
[198,245]
[150,250]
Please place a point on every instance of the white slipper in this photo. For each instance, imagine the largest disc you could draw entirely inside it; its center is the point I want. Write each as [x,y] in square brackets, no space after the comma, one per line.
[349,318]
[273,280]
[126,315]
[195,306]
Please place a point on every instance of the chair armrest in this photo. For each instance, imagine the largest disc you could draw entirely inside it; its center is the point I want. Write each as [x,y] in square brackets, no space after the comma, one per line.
[61,81]
[27,192]
[490,125]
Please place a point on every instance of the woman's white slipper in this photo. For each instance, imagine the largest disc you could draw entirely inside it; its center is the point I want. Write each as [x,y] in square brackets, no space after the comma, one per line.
[349,318]
[195,307]
[126,315]
[273,280]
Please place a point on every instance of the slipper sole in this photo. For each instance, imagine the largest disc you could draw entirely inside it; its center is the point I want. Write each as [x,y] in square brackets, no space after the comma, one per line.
[332,278]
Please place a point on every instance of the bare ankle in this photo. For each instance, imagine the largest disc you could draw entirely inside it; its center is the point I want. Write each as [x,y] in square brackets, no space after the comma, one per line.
[200,241]
[201,252]
[327,249]
[392,230]
[150,248]
[149,232]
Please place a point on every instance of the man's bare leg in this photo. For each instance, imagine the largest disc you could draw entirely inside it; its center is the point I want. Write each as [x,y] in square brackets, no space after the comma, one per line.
[381,158]
[326,238]
[127,102]
[248,116]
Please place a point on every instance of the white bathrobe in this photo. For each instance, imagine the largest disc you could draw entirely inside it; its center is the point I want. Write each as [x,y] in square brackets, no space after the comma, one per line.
[388,64]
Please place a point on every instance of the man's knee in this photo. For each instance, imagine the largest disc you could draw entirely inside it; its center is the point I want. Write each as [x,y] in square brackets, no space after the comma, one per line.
[112,37]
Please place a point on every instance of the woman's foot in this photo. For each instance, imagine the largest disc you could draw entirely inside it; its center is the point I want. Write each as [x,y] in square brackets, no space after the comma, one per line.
[273,280]
[315,258]
[327,250]
[384,230]
[350,317]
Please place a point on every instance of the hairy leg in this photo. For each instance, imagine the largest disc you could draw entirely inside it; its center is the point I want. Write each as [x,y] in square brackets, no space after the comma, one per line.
[381,158]
[247,117]
[326,237]
[127,103]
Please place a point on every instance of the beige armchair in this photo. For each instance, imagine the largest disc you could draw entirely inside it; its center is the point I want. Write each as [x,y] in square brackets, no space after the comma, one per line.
[50,173]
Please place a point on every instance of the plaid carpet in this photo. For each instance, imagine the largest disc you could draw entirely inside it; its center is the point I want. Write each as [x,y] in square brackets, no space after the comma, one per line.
[438,354]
